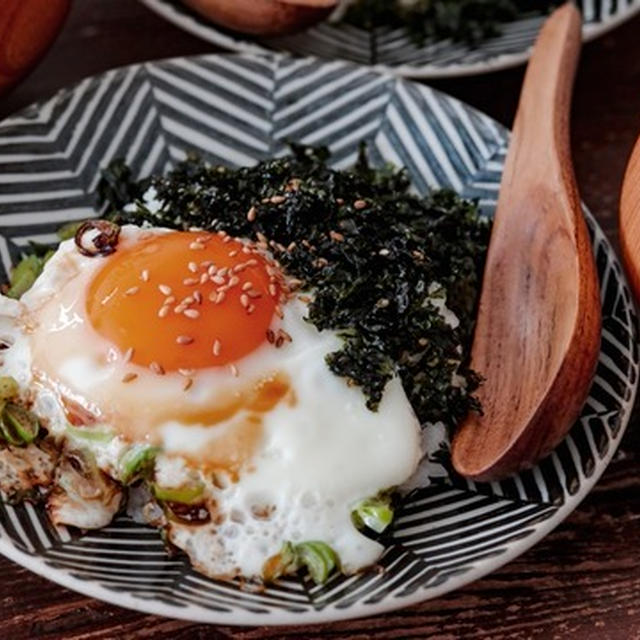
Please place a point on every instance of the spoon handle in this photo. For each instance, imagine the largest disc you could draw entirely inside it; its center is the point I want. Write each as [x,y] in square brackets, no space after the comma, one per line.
[540,142]
[630,220]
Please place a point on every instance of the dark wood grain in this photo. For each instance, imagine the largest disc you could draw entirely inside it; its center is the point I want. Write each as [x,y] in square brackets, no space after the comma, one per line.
[583,580]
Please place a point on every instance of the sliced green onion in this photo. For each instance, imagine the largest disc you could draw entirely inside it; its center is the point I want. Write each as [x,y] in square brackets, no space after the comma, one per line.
[374,513]
[282,564]
[18,426]
[68,231]
[187,494]
[90,434]
[319,559]
[24,274]
[136,462]
[8,388]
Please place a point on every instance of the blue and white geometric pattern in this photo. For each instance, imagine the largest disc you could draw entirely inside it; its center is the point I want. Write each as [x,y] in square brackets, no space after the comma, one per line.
[237,110]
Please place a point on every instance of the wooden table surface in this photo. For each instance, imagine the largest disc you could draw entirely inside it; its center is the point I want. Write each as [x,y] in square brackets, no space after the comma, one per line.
[583,580]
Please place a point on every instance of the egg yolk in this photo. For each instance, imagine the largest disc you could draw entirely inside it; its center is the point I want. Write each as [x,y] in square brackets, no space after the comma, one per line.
[184,300]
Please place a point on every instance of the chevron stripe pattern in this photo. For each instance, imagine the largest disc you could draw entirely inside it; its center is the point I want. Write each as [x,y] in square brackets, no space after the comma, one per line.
[393,49]
[237,110]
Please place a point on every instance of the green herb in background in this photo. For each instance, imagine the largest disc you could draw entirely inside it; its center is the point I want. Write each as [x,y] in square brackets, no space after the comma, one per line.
[369,250]
[470,21]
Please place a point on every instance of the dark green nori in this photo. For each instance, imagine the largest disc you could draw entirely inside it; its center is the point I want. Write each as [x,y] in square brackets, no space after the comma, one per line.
[367,248]
[470,21]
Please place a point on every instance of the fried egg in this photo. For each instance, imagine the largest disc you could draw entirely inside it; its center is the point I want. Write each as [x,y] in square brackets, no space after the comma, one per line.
[190,342]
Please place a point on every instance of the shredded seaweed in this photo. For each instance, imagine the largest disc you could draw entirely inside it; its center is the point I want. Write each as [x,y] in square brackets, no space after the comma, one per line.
[470,21]
[378,261]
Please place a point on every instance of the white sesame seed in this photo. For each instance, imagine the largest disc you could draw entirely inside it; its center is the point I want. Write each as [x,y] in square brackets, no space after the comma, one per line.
[244,300]
[291,247]
[127,355]
[262,238]
[234,370]
[191,313]
[272,290]
[197,296]
[278,312]
[204,277]
[144,275]
[129,377]
[251,214]
[186,372]
[157,368]
[131,291]
[184,340]
[252,293]
[277,199]
[251,308]
[188,383]
[180,308]
[216,348]
[163,312]
[196,246]
[234,281]
[203,239]
[234,253]
[251,263]
[223,271]
[220,296]
[222,233]
[189,300]
[193,267]
[360,204]
[384,252]
[165,289]
[218,280]
[189,282]
[247,285]
[212,270]
[169,300]
[226,239]
[246,250]
[205,264]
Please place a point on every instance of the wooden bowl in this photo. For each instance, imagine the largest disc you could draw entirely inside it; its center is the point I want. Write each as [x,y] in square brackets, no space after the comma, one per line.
[27,29]
[263,17]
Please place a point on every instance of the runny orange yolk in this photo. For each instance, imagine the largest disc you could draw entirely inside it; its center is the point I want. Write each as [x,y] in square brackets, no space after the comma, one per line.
[184,300]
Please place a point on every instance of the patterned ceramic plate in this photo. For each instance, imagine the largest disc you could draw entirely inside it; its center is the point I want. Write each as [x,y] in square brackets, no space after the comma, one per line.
[392,49]
[238,110]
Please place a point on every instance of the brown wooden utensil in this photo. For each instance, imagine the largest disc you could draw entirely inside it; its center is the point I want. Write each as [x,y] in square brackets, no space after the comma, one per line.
[537,336]
[27,29]
[630,220]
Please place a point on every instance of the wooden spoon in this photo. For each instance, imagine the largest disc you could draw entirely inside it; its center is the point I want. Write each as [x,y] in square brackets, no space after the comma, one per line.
[630,220]
[27,29]
[537,335]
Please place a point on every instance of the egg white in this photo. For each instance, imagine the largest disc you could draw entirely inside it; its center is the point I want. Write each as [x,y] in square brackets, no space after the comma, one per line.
[315,458]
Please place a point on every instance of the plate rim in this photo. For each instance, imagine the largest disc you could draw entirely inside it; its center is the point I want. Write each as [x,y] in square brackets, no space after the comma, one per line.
[241,617]
[212,35]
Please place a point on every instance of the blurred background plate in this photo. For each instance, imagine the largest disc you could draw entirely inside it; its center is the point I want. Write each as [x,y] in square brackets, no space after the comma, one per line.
[393,49]
[237,110]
